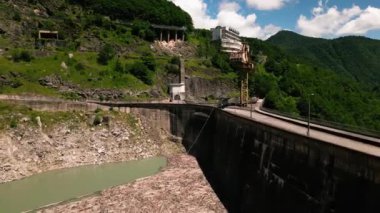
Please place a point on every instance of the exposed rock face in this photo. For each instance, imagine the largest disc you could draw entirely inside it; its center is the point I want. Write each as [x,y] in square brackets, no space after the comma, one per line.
[181,187]
[10,80]
[199,87]
[4,81]
[52,81]
[173,48]
[27,149]
[56,82]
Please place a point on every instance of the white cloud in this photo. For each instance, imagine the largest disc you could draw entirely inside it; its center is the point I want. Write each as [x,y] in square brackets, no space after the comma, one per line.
[332,22]
[198,11]
[229,6]
[229,16]
[266,4]
[368,20]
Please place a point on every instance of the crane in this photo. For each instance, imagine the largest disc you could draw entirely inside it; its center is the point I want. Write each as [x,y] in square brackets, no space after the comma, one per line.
[239,56]
[242,62]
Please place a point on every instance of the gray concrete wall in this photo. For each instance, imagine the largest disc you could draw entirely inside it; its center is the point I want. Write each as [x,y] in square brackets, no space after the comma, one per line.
[256,168]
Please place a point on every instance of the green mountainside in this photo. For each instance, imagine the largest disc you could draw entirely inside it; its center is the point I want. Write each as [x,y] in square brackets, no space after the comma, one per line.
[355,57]
[287,81]
[154,11]
[105,52]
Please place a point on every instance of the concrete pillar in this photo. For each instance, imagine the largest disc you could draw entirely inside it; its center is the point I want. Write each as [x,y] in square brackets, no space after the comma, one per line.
[176,35]
[168,35]
[182,71]
[160,35]
[183,36]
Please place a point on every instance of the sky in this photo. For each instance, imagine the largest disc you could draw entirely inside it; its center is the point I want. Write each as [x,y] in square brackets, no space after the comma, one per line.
[264,18]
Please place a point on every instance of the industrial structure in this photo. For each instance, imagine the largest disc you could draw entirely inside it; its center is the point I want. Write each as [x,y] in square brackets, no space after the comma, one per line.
[168,33]
[48,39]
[178,90]
[239,55]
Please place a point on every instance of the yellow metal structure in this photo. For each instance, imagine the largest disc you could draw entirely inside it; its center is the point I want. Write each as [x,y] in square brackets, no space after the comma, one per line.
[242,62]
[244,91]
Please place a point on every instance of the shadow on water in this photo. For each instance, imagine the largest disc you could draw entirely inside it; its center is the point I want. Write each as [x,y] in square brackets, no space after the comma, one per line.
[253,168]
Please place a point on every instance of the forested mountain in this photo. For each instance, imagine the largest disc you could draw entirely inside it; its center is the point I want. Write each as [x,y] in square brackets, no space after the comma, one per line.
[153,11]
[354,56]
[287,80]
[110,41]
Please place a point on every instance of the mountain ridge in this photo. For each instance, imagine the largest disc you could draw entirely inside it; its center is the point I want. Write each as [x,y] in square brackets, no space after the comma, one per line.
[352,56]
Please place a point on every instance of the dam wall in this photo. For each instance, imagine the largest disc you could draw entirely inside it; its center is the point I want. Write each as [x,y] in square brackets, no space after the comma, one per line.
[257,168]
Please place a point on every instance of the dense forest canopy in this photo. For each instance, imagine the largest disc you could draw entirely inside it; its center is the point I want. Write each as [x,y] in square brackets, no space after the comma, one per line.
[154,11]
[287,82]
[354,56]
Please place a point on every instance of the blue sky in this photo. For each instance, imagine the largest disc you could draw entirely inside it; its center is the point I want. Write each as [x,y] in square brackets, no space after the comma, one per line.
[263,18]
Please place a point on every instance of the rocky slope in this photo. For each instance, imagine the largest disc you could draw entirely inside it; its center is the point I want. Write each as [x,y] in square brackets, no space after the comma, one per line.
[29,149]
[181,187]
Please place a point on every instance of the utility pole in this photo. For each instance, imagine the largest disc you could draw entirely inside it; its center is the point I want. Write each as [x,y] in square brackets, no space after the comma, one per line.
[251,109]
[308,120]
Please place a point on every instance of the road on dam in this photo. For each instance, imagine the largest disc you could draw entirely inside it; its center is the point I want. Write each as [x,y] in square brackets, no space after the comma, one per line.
[329,135]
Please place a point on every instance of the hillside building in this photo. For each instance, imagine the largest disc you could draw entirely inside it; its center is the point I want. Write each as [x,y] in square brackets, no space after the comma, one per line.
[46,34]
[48,39]
[229,38]
[169,33]
[239,55]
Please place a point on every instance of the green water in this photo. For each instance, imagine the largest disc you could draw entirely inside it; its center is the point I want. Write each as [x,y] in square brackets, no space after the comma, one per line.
[60,185]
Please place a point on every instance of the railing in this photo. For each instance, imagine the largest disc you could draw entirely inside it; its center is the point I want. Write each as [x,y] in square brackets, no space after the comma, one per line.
[330,124]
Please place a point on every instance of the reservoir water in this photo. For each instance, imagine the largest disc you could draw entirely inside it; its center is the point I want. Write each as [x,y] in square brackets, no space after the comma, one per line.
[60,185]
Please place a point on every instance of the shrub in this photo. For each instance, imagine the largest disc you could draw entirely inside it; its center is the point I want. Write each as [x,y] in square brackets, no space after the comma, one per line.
[175,60]
[71,96]
[97,120]
[13,124]
[141,71]
[221,61]
[172,68]
[149,61]
[118,67]
[16,16]
[16,83]
[207,63]
[80,66]
[106,54]
[22,55]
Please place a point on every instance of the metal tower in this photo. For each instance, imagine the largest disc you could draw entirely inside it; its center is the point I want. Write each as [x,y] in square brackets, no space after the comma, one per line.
[242,61]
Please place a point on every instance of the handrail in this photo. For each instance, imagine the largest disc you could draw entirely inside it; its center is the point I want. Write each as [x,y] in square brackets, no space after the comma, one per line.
[330,124]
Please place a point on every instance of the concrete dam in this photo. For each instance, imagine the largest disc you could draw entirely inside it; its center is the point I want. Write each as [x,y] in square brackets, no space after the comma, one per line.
[254,167]
[257,168]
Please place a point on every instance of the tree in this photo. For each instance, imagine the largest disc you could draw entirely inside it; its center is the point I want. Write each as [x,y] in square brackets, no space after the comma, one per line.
[141,71]
[149,61]
[264,83]
[222,62]
[106,54]
[118,66]
[22,55]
